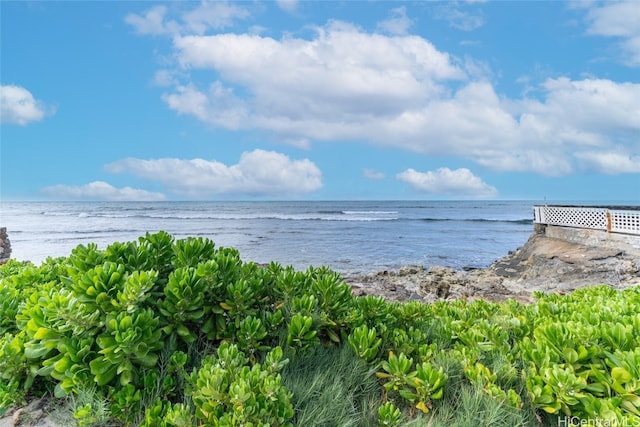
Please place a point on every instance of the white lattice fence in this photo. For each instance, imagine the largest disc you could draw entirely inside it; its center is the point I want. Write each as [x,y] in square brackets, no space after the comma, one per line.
[625,222]
[615,221]
[576,217]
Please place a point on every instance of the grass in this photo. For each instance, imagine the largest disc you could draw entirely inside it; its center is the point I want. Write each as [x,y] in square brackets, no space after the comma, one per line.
[331,387]
[465,404]
[91,400]
[469,406]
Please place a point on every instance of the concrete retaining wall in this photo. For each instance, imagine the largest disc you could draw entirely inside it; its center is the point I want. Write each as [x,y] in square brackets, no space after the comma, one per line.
[597,238]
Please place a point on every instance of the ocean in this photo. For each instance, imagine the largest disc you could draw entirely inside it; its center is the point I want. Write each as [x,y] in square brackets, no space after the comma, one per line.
[351,237]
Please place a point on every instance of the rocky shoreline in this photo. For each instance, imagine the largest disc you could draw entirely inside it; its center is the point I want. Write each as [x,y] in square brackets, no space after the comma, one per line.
[541,264]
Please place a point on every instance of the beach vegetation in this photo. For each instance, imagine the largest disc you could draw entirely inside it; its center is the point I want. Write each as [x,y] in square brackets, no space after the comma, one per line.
[166,332]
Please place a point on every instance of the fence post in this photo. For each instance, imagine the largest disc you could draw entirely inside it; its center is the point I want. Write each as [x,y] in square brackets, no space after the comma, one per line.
[608,214]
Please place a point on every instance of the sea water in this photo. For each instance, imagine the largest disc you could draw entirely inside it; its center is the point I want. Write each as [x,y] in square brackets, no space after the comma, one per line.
[351,237]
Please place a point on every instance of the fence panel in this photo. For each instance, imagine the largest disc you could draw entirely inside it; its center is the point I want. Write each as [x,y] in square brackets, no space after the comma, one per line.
[613,220]
[625,222]
[595,218]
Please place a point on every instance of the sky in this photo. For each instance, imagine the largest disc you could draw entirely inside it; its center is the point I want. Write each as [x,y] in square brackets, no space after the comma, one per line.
[320,100]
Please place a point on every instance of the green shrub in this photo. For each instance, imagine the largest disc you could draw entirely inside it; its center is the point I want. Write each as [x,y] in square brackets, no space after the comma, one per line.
[227,392]
[171,332]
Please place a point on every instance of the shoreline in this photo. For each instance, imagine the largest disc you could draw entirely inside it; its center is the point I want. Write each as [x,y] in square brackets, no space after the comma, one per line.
[542,264]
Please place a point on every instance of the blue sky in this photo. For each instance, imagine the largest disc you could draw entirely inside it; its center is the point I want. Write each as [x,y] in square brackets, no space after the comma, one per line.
[120,100]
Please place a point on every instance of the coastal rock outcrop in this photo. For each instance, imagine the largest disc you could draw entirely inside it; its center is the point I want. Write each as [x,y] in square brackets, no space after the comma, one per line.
[542,264]
[5,246]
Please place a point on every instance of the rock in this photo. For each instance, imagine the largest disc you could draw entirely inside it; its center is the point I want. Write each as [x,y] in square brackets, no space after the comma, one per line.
[31,414]
[5,246]
[438,281]
[409,270]
[357,291]
[415,297]
[40,412]
[542,264]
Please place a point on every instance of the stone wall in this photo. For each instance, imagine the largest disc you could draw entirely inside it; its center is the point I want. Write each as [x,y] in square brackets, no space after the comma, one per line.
[5,246]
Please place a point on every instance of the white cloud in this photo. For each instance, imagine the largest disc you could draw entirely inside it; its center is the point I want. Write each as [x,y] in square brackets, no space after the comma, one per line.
[399,23]
[288,5]
[444,181]
[100,190]
[310,89]
[218,106]
[458,18]
[396,91]
[164,78]
[595,107]
[19,107]
[208,15]
[610,163]
[372,174]
[152,22]
[618,19]
[391,66]
[258,173]
[213,14]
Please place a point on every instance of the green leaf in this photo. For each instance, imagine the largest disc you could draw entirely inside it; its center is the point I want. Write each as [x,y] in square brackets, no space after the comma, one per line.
[621,375]
[333,336]
[183,331]
[35,350]
[106,377]
[44,333]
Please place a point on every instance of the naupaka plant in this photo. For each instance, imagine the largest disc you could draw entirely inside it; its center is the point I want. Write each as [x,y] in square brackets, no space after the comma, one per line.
[420,386]
[227,391]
